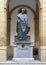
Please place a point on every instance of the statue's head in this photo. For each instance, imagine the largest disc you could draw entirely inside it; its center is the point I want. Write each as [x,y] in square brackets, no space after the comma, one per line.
[22,10]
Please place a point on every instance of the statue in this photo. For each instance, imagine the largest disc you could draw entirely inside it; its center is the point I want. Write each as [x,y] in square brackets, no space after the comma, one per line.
[22,25]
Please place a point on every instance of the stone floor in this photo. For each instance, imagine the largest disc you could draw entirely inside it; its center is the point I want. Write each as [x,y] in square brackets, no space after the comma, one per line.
[35,62]
[35,57]
[22,62]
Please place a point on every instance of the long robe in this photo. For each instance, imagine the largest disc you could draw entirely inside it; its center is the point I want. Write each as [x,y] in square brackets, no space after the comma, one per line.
[22,21]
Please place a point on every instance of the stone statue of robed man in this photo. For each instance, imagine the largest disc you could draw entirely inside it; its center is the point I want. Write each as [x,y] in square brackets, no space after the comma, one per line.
[22,25]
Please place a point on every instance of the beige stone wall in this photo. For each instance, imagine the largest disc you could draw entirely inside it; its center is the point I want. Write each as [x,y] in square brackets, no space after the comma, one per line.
[3,30]
[3,23]
[42,24]
[42,30]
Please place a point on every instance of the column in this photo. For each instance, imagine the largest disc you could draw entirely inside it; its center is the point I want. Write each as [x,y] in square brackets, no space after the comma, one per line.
[36,32]
[3,30]
[10,48]
[42,30]
[36,19]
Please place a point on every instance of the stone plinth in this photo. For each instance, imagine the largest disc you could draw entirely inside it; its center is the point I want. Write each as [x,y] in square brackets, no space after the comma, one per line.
[23,50]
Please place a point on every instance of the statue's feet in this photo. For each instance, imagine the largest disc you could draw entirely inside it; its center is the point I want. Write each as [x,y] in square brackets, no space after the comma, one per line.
[20,39]
[24,38]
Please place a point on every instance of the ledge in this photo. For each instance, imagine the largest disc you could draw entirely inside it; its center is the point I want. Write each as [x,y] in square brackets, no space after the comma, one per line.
[3,47]
[36,62]
[43,47]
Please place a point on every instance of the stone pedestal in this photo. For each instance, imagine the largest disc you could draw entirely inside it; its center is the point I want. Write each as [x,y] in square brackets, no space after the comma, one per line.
[42,54]
[3,53]
[23,50]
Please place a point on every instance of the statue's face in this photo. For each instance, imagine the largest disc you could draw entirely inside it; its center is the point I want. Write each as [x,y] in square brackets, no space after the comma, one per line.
[23,10]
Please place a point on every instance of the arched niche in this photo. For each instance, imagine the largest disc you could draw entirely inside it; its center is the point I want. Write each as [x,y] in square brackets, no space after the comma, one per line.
[30,14]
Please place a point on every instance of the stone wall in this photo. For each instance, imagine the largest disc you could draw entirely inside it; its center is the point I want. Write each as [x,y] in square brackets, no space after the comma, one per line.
[42,30]
[3,30]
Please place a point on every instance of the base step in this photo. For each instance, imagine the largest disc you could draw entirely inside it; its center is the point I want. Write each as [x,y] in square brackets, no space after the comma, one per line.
[23,63]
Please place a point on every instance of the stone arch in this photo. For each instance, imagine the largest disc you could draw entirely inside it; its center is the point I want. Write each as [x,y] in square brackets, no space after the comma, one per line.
[12,10]
[30,8]
[9,13]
